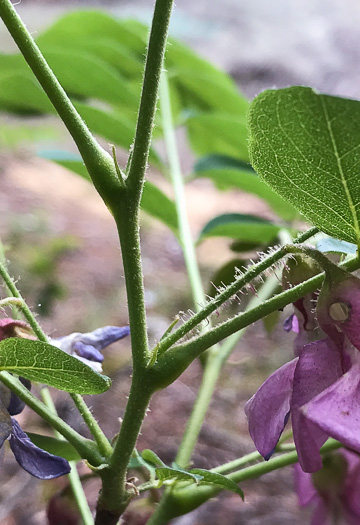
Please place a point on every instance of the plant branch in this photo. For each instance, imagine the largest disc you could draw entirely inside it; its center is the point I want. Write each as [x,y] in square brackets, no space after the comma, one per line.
[99,163]
[180,200]
[149,96]
[114,497]
[253,272]
[210,377]
[184,499]
[102,442]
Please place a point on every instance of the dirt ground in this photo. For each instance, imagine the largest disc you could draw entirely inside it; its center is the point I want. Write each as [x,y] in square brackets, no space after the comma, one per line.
[261,44]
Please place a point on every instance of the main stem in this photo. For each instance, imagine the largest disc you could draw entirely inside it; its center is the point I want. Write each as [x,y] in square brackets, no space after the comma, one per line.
[114,497]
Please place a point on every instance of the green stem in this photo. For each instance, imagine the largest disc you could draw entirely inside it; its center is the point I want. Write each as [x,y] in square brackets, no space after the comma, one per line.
[180,200]
[152,75]
[103,443]
[237,463]
[212,371]
[22,304]
[79,495]
[73,476]
[98,162]
[253,272]
[114,499]
[85,447]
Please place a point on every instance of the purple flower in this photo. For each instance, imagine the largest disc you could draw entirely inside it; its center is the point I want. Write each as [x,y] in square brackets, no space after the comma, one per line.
[319,389]
[333,490]
[87,347]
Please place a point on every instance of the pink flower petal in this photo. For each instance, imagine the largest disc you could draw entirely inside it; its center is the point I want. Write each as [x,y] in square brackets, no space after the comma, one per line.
[337,409]
[319,366]
[268,410]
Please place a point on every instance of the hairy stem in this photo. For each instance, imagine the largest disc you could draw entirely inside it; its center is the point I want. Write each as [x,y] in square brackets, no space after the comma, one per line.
[149,96]
[101,440]
[178,358]
[253,272]
[114,497]
[212,371]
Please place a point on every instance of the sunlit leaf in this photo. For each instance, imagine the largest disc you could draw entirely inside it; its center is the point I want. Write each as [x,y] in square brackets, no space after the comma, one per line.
[305,145]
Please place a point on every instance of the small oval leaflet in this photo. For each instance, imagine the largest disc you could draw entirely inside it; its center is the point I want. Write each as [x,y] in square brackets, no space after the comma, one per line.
[47,364]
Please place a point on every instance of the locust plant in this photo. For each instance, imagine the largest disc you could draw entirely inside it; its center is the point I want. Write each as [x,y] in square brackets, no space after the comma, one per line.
[305,147]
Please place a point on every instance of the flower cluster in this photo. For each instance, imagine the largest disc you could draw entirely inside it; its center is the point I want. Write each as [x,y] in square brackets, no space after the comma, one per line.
[320,387]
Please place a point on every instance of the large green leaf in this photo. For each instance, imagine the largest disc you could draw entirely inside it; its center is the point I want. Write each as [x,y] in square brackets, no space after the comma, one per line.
[200,84]
[306,146]
[247,228]
[47,364]
[58,447]
[231,173]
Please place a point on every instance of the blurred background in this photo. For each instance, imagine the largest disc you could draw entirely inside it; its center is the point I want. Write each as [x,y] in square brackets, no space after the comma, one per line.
[63,251]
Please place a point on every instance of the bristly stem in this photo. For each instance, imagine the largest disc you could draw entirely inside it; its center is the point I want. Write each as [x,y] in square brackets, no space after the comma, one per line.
[102,442]
[212,371]
[99,163]
[252,272]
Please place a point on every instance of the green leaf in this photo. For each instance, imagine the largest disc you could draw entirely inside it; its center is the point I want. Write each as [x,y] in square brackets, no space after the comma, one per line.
[91,77]
[330,245]
[167,474]
[219,133]
[232,173]
[218,479]
[306,147]
[247,228]
[58,447]
[70,161]
[47,364]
